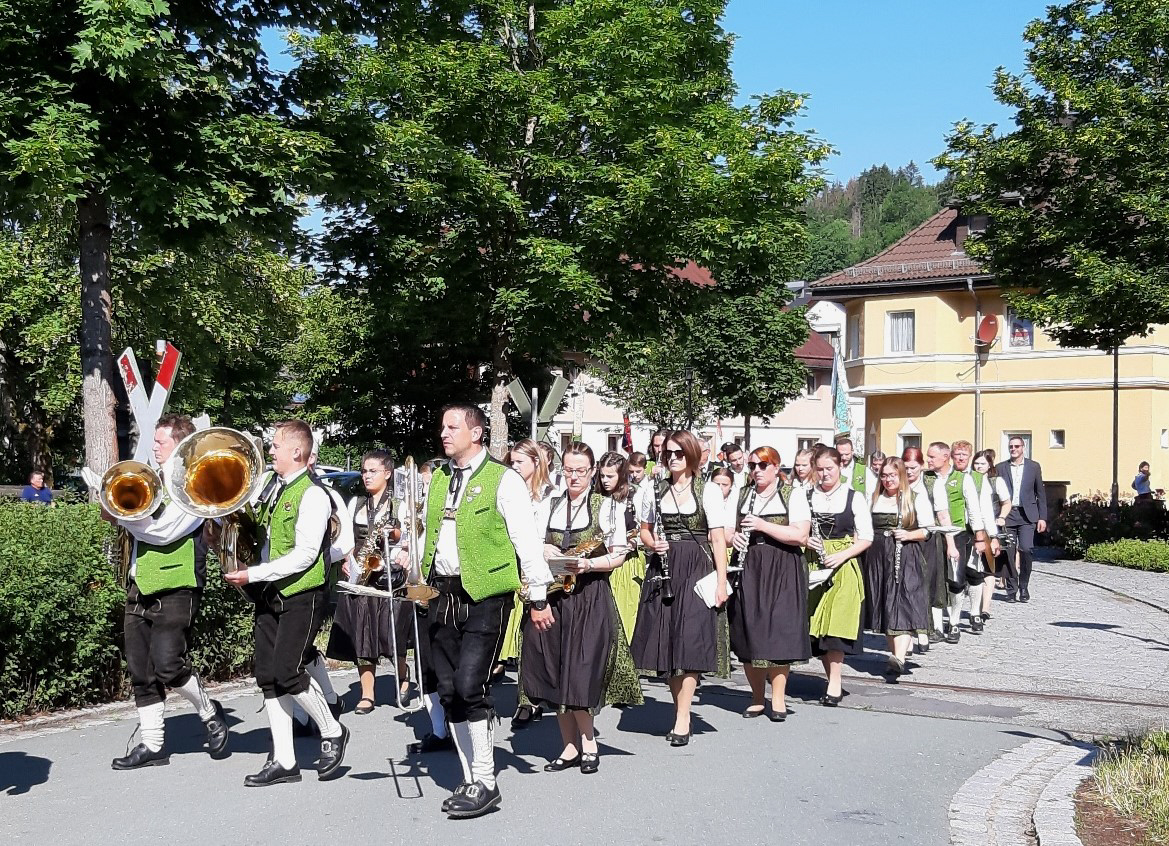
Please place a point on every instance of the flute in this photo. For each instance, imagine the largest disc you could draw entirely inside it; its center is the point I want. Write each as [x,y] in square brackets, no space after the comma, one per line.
[667,584]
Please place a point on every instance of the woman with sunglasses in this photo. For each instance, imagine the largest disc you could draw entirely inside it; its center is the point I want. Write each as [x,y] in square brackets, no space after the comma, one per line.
[843,530]
[894,566]
[768,612]
[582,662]
[933,552]
[683,524]
[527,459]
[617,507]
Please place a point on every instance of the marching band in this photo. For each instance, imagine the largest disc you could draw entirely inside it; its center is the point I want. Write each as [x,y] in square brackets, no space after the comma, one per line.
[590,577]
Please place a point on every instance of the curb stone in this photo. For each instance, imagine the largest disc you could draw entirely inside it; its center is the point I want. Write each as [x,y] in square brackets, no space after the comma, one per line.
[1055,814]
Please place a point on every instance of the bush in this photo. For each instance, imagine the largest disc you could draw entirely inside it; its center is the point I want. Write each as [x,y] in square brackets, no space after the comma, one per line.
[1133,776]
[1086,522]
[1134,554]
[61,613]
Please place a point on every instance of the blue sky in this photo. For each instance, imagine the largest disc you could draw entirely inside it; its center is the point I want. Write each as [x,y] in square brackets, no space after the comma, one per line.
[886,78]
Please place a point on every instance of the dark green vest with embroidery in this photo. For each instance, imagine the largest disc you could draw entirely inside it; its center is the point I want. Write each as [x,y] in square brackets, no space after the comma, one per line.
[487,559]
[278,522]
[566,540]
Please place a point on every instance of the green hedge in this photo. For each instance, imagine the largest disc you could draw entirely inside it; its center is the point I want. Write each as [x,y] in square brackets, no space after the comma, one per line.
[61,614]
[1134,554]
[1087,522]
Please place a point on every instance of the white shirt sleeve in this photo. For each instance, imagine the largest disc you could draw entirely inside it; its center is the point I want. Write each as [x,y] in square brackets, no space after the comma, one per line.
[342,547]
[515,506]
[798,510]
[862,518]
[171,524]
[925,511]
[613,523]
[1000,486]
[312,522]
[975,503]
[941,502]
[718,514]
[542,514]
[645,504]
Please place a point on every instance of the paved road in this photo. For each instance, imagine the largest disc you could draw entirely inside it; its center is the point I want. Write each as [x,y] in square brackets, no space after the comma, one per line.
[826,775]
[881,770]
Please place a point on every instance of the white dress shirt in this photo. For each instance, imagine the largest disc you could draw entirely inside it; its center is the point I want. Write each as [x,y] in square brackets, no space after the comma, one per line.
[977,504]
[159,529]
[514,503]
[312,522]
[340,547]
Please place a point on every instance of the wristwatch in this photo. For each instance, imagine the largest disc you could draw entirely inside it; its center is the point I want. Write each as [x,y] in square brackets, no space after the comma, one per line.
[539,605]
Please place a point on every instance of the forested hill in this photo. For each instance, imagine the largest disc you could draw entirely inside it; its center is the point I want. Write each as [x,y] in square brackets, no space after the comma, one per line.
[851,222]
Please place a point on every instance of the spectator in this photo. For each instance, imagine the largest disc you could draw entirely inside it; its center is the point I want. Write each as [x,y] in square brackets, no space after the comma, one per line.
[1140,484]
[36,491]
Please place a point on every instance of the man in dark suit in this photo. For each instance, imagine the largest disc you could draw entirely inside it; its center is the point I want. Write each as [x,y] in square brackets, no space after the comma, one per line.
[1024,479]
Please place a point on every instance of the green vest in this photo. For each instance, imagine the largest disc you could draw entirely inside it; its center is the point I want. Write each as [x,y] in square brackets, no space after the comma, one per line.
[278,522]
[956,499]
[487,559]
[167,567]
[859,469]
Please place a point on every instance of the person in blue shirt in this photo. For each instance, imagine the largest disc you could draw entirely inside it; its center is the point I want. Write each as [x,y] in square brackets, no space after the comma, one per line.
[35,491]
[1141,483]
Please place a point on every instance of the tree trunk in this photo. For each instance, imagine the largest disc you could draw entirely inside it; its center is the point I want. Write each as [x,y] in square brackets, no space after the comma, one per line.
[501,376]
[747,433]
[97,358]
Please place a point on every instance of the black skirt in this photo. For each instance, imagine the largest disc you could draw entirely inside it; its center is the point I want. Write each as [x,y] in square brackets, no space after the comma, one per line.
[895,603]
[934,563]
[361,629]
[684,636]
[572,665]
[768,612]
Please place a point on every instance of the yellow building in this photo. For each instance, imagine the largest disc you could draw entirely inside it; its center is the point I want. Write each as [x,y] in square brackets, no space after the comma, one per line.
[911,352]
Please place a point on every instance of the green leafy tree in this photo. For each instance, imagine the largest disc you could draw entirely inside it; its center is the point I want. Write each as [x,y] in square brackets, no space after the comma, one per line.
[1079,226]
[653,380]
[145,114]
[526,176]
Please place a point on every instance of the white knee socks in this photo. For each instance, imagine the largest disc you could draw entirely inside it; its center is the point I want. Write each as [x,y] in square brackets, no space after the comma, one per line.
[194,693]
[483,752]
[462,735]
[279,712]
[314,704]
[320,674]
[936,619]
[437,714]
[975,592]
[150,726]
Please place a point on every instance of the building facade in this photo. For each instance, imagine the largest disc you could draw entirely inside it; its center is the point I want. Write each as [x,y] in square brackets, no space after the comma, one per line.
[911,351]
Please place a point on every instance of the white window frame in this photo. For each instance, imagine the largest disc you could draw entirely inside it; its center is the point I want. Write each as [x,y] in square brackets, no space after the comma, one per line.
[852,349]
[889,317]
[1009,318]
[613,442]
[806,441]
[908,430]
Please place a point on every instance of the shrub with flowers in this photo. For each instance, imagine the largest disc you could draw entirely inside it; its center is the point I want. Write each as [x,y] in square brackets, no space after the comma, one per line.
[1089,520]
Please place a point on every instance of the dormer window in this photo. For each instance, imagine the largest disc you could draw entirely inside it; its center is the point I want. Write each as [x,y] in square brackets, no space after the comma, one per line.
[977,223]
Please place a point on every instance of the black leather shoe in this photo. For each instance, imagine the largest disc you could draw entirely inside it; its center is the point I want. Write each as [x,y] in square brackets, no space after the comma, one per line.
[525,716]
[216,731]
[560,764]
[953,635]
[829,701]
[750,714]
[332,753]
[272,773]
[337,708]
[985,616]
[678,739]
[1011,598]
[976,624]
[590,762]
[430,743]
[1024,595]
[935,637]
[777,716]
[459,791]
[141,756]
[475,800]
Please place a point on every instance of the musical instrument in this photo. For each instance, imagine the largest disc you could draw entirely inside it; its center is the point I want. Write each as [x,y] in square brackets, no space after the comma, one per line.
[128,490]
[734,565]
[815,579]
[667,583]
[896,545]
[215,474]
[370,558]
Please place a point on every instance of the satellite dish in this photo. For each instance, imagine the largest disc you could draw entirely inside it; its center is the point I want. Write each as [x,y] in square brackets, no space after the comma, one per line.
[988,331]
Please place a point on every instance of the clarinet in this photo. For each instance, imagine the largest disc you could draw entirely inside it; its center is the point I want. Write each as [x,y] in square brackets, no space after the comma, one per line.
[897,547]
[667,584]
[736,555]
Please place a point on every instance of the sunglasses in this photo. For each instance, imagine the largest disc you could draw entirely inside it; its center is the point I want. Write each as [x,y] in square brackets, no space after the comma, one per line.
[671,454]
[758,465]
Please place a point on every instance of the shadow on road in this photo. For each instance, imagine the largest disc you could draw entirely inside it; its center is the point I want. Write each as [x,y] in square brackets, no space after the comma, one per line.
[20,772]
[1161,645]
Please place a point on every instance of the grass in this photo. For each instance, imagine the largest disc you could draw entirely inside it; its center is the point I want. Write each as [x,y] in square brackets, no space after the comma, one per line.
[1133,777]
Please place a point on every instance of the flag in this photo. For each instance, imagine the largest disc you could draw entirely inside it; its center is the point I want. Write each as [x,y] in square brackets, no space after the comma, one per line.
[841,413]
[627,437]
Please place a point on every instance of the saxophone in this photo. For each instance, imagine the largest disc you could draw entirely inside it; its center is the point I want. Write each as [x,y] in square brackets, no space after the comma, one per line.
[370,558]
[821,558]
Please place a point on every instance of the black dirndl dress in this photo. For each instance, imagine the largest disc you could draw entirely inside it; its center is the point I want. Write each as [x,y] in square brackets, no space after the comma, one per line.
[768,612]
[895,592]
[361,624]
[684,635]
[582,662]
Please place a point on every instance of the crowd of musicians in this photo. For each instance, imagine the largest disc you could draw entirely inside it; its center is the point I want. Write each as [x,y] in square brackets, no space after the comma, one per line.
[590,574]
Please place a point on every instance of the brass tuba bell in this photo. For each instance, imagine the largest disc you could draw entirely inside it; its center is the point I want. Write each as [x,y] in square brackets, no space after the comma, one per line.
[215,473]
[130,489]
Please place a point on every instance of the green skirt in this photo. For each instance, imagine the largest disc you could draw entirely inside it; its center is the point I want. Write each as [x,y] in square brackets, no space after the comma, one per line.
[836,612]
[625,583]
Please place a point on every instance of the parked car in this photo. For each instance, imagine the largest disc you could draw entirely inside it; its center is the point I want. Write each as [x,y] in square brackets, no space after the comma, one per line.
[346,482]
